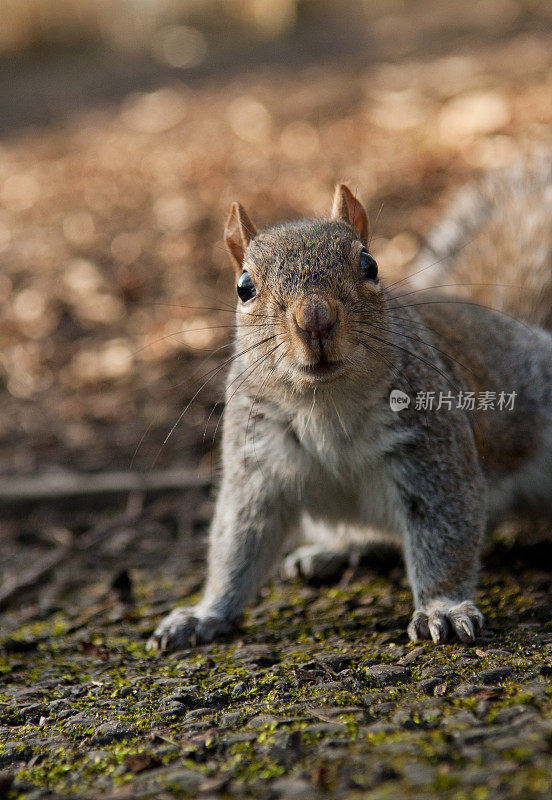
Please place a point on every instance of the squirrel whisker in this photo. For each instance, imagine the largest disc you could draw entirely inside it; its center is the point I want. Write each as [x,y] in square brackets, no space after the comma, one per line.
[414,339]
[214,372]
[428,266]
[255,399]
[464,303]
[456,285]
[173,335]
[250,369]
[414,355]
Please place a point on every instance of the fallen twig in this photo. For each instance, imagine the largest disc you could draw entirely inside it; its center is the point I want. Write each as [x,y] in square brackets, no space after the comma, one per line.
[32,577]
[57,486]
[324,717]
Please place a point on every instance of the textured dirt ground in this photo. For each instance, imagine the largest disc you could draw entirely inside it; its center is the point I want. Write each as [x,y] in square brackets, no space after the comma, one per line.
[114,288]
[319,694]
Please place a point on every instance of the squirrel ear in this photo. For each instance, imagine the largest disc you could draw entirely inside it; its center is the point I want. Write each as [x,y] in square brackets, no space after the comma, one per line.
[238,233]
[348,208]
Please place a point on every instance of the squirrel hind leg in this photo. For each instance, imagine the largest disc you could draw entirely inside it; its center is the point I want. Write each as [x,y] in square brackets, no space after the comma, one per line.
[321,564]
[326,550]
[317,564]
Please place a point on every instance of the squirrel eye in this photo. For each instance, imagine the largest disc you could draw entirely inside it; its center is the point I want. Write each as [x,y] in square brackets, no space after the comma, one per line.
[246,287]
[368,266]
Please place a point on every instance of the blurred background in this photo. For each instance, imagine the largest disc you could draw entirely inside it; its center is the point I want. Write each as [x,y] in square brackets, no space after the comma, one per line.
[127,127]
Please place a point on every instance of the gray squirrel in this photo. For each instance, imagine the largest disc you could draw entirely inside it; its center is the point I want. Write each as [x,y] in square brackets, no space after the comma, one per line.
[312,446]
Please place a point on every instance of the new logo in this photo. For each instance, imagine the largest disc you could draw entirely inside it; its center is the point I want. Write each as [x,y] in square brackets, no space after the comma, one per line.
[398,400]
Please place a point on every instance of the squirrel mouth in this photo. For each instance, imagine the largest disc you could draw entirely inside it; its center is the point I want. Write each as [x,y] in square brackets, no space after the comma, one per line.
[321,368]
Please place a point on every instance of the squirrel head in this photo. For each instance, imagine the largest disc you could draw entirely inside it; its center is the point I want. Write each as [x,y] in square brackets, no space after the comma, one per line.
[308,292]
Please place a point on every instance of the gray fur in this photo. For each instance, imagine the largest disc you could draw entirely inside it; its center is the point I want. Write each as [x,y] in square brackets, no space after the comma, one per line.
[329,458]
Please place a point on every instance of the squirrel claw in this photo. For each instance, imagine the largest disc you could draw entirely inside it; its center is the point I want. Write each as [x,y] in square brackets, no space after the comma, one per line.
[438,628]
[182,629]
[446,620]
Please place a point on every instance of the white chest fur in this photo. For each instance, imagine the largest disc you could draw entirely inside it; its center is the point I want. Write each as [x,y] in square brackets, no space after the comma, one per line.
[338,462]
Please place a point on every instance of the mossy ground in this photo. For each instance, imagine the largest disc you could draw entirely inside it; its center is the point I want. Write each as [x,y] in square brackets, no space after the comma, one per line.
[288,705]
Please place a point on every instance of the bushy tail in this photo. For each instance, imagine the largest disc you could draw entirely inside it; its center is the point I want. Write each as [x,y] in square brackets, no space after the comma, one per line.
[495,245]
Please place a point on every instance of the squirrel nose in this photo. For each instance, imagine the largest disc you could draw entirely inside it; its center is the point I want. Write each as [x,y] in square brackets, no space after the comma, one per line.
[315,319]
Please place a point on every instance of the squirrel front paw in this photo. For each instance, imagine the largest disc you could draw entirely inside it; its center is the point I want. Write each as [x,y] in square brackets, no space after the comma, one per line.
[184,627]
[442,620]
